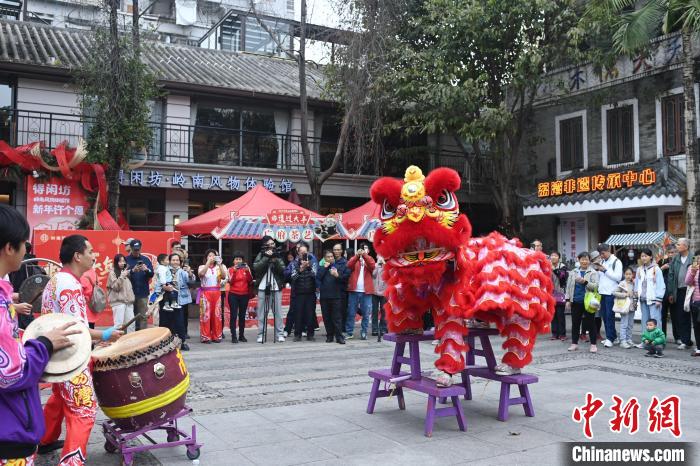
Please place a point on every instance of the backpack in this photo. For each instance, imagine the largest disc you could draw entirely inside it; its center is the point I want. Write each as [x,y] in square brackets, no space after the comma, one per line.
[98,300]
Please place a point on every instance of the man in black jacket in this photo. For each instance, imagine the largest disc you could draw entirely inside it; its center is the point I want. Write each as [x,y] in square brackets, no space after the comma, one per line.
[331,277]
[302,276]
[268,269]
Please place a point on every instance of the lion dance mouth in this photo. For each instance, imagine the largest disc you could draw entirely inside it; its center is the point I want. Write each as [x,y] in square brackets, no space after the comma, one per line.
[434,265]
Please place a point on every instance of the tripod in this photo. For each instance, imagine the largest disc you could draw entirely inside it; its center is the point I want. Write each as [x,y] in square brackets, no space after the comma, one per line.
[269,304]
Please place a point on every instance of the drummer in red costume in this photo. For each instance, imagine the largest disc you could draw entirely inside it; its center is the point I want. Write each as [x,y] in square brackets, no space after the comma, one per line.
[73,400]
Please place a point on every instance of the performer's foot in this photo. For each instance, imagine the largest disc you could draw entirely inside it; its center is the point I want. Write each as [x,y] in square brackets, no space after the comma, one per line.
[49,447]
[443,379]
[505,369]
[216,341]
[473,323]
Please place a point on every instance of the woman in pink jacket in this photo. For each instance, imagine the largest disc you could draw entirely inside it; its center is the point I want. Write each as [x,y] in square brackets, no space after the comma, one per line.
[691,278]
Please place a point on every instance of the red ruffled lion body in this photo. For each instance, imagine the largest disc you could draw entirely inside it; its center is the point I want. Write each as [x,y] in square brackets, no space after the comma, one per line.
[434,265]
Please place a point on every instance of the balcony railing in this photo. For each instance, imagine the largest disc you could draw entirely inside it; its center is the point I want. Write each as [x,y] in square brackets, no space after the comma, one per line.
[186,144]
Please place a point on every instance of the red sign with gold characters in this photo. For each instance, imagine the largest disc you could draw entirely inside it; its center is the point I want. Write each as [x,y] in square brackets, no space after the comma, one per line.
[600,182]
[287,217]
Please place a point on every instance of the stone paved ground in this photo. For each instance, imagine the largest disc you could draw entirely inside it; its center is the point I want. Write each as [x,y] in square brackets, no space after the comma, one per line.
[299,403]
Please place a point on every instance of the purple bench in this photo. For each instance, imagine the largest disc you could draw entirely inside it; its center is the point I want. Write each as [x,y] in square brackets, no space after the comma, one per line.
[413,359]
[521,380]
[424,385]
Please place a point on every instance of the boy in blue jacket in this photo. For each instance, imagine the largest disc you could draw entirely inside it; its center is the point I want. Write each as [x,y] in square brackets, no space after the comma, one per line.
[23,364]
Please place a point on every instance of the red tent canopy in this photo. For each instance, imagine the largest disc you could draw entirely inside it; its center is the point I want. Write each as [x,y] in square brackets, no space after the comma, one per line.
[256,203]
[355,218]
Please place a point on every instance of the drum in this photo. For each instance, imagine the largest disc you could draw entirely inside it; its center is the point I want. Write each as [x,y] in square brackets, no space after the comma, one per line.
[141,379]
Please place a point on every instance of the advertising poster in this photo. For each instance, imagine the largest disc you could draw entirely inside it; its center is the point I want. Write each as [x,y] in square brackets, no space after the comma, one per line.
[107,244]
[55,203]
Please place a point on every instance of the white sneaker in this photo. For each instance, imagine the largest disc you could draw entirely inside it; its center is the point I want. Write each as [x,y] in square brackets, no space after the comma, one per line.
[504,369]
[303,334]
[616,342]
[167,307]
[280,339]
[630,342]
[259,340]
[286,334]
[625,345]
[435,342]
[682,346]
[176,306]
[443,379]
[640,346]
[607,343]
[573,347]
[679,342]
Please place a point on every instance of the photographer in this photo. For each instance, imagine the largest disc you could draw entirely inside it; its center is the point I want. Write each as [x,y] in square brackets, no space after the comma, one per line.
[212,276]
[360,289]
[303,279]
[331,277]
[240,279]
[141,272]
[268,269]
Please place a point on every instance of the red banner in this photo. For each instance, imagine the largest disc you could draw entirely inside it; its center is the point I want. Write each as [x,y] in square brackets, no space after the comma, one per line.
[106,244]
[55,203]
[287,217]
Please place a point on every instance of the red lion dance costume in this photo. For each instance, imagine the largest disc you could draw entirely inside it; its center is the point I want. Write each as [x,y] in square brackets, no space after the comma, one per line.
[433,264]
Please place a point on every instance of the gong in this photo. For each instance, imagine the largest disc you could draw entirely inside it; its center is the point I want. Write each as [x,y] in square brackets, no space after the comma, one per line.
[31,289]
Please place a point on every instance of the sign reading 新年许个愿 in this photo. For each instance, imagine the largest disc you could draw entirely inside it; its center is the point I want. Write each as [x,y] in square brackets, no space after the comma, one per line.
[600,182]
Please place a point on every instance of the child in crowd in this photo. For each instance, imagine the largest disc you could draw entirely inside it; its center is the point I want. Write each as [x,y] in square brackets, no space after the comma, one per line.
[625,290]
[654,340]
[164,276]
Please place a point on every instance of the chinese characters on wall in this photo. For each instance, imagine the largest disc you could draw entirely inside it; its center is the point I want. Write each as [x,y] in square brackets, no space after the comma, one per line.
[600,182]
[55,203]
[158,179]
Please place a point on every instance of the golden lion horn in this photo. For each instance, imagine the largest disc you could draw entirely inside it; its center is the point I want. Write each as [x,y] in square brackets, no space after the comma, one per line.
[413,173]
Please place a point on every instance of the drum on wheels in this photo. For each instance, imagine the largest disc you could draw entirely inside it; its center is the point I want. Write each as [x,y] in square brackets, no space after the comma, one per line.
[141,379]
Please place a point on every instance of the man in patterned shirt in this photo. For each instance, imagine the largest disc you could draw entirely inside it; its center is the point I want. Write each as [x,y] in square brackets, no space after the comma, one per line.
[74,399]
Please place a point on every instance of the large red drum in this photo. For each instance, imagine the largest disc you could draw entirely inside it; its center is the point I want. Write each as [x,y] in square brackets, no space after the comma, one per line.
[141,378]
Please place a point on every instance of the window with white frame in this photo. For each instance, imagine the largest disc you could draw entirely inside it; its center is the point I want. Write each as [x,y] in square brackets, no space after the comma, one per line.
[620,133]
[571,142]
[672,125]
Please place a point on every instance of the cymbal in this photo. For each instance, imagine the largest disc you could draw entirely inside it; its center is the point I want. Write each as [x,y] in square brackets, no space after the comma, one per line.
[67,360]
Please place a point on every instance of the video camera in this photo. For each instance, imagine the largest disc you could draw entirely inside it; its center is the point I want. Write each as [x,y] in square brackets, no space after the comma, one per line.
[276,250]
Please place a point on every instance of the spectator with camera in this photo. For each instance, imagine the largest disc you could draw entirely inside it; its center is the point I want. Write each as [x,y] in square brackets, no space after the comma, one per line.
[360,290]
[331,277]
[141,272]
[212,275]
[268,269]
[302,276]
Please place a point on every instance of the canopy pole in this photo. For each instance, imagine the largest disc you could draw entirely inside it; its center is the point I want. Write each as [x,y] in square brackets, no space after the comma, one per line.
[220,247]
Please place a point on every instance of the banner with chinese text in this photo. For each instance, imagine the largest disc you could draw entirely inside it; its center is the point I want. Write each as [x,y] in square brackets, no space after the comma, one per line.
[55,203]
[107,244]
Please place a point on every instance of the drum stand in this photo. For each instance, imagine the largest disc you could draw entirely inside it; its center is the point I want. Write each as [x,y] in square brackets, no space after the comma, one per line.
[118,439]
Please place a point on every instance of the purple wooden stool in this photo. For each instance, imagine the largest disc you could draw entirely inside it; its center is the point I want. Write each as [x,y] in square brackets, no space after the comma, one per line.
[521,380]
[415,381]
[486,351]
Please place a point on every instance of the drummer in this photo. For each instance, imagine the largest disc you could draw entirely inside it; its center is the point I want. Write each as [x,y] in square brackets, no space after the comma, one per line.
[74,399]
[24,363]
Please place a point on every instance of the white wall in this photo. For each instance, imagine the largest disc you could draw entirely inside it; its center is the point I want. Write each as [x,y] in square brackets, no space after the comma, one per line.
[38,97]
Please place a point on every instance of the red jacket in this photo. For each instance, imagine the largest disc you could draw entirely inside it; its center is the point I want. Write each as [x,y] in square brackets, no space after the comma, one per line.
[355,266]
[239,280]
[88,282]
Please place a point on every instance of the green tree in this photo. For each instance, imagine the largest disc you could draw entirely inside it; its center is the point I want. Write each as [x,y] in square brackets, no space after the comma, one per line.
[471,69]
[616,27]
[115,88]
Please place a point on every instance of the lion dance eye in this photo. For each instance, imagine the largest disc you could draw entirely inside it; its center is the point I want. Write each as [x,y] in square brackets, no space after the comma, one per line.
[446,200]
[387,210]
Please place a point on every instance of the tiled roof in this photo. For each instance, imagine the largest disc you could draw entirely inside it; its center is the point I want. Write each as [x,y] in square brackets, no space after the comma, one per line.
[670,181]
[33,44]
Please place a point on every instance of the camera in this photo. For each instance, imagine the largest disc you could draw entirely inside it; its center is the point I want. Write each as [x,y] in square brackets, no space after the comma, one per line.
[276,251]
